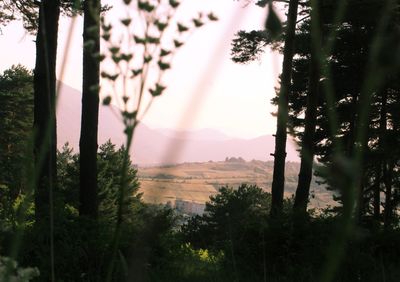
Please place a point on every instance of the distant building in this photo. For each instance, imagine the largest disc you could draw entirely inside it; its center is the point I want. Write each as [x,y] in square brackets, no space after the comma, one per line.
[189,207]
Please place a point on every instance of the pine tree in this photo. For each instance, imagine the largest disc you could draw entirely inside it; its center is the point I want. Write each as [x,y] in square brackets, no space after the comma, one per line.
[90,109]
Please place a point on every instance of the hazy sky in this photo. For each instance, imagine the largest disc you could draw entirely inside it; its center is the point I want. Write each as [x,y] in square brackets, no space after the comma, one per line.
[205,89]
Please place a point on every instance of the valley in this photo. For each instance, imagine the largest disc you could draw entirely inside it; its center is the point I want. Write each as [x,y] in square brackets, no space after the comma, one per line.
[195,182]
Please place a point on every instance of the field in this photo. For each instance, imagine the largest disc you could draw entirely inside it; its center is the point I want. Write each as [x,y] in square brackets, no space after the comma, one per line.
[196,182]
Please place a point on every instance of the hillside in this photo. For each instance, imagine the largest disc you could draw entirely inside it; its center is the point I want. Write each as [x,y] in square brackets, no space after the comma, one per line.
[160,146]
[195,182]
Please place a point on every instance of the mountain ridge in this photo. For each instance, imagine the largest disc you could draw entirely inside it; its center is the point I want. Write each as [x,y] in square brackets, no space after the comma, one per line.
[160,146]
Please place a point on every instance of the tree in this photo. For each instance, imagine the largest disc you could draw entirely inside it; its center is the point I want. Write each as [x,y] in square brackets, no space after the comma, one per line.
[90,109]
[233,224]
[45,145]
[310,122]
[109,161]
[278,180]
[16,89]
[248,47]
[348,63]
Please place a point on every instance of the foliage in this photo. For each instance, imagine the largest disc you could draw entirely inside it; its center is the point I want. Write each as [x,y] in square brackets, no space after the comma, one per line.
[16,115]
[10,271]
[283,249]
[110,162]
[348,64]
[28,11]
[233,223]
[249,46]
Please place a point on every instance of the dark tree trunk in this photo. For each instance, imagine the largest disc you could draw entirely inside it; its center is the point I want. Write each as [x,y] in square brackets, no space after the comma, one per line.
[278,180]
[387,178]
[376,203]
[45,144]
[382,162]
[307,148]
[90,110]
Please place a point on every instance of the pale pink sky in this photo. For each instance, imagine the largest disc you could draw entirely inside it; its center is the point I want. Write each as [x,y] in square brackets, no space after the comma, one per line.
[205,89]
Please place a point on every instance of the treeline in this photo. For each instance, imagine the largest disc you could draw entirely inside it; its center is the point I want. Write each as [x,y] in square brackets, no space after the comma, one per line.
[340,100]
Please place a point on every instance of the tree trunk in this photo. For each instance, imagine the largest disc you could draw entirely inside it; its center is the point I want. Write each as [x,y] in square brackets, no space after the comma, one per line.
[90,110]
[387,178]
[278,180]
[307,148]
[45,144]
[376,194]
[382,162]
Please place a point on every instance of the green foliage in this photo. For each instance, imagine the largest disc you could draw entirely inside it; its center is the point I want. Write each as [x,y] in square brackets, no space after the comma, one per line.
[28,11]
[248,46]
[337,139]
[11,271]
[109,163]
[233,223]
[16,115]
[253,246]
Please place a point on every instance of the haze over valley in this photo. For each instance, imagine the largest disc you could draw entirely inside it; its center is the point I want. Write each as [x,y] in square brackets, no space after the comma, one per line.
[162,146]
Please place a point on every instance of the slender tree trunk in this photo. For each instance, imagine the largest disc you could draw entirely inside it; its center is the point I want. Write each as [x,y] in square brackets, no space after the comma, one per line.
[376,195]
[382,163]
[387,178]
[45,145]
[44,122]
[278,180]
[307,148]
[90,110]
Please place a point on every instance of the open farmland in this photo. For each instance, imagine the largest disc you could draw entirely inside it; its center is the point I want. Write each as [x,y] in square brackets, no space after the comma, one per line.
[196,182]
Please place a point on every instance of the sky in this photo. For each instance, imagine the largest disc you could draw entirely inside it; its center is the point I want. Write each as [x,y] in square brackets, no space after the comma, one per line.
[205,89]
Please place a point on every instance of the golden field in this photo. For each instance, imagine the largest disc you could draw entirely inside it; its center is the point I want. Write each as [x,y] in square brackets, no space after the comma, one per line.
[196,182]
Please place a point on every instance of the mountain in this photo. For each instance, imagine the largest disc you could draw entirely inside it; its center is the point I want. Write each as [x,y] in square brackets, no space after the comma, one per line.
[160,146]
[206,134]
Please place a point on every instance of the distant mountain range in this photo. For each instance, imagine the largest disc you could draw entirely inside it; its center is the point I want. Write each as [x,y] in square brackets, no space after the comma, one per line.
[160,146]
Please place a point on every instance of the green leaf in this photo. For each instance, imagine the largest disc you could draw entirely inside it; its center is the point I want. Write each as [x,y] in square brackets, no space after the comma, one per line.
[139,40]
[157,91]
[129,115]
[198,22]
[106,36]
[116,58]
[148,58]
[174,3]
[126,57]
[153,40]
[114,49]
[107,27]
[126,22]
[107,100]
[177,43]
[212,17]
[136,72]
[161,26]
[163,66]
[164,52]
[182,28]
[145,6]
